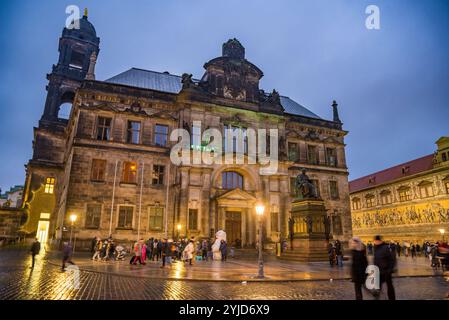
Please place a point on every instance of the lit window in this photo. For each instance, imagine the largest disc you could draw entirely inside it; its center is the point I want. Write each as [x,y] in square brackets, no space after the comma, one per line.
[103,128]
[156,218]
[193,219]
[98,170]
[158,175]
[133,132]
[129,172]
[160,135]
[49,185]
[125,217]
[231,180]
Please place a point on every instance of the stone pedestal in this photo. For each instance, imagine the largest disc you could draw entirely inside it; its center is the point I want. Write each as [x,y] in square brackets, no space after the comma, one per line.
[309,232]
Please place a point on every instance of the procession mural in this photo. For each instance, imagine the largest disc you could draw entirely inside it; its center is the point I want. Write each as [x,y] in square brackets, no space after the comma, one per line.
[437,212]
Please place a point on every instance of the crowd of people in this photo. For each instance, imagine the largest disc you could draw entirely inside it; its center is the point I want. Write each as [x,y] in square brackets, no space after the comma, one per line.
[163,250]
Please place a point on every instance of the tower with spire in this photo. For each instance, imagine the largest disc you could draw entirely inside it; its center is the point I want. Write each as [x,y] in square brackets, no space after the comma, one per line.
[78,51]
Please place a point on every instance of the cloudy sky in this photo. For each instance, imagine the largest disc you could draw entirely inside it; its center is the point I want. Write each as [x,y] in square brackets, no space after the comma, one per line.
[392,84]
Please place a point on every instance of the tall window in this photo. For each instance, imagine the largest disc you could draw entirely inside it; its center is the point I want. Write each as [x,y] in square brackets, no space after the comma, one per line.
[293,154]
[98,170]
[356,204]
[426,190]
[133,132]
[233,132]
[129,172]
[370,201]
[405,194]
[103,128]
[292,185]
[275,221]
[331,157]
[160,135]
[316,183]
[193,219]
[385,197]
[125,217]
[333,186]
[158,175]
[93,216]
[312,157]
[156,218]
[446,184]
[231,180]
[49,185]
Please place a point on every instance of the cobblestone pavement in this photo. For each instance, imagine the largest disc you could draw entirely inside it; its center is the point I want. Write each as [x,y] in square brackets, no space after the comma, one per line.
[46,281]
[243,268]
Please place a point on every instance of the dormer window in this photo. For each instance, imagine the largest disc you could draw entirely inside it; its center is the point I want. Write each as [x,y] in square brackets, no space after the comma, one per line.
[405,169]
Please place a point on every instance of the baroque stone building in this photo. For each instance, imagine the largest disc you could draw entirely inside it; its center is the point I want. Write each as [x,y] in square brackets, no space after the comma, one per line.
[407,202]
[109,163]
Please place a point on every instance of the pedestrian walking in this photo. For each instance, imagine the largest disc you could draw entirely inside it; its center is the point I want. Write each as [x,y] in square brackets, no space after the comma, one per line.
[223,250]
[386,262]
[67,253]
[99,246]
[359,264]
[339,253]
[165,251]
[188,252]
[35,249]
[137,253]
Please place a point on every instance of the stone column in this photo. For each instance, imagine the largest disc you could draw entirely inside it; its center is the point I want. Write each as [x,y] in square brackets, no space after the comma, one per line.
[184,200]
[341,157]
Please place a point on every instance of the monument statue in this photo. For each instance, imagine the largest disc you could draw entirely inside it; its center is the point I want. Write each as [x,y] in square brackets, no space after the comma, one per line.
[187,81]
[305,189]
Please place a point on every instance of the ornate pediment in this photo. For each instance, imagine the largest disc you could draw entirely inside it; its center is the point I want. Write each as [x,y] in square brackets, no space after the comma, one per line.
[236,194]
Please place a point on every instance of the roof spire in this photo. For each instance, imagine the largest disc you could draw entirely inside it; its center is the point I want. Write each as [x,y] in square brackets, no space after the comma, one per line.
[336,117]
[85,12]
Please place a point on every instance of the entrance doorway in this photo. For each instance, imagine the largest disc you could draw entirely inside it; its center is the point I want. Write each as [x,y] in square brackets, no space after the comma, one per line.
[42,231]
[233,226]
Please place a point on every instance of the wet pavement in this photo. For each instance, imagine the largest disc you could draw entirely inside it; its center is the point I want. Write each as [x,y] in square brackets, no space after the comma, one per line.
[109,280]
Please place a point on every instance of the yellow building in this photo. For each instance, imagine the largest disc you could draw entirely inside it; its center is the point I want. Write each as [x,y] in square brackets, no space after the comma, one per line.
[407,202]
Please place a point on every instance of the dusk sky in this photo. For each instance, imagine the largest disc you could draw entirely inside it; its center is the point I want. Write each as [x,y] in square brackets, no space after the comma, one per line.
[392,84]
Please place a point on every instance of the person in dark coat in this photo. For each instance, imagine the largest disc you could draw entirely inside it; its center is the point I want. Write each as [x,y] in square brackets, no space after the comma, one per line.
[165,251]
[67,252]
[93,245]
[359,264]
[35,249]
[385,260]
[223,250]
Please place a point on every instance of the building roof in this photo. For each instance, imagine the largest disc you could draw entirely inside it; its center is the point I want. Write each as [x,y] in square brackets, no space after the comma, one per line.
[166,82]
[388,175]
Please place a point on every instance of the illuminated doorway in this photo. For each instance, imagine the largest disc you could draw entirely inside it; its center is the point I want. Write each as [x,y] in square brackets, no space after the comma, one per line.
[42,228]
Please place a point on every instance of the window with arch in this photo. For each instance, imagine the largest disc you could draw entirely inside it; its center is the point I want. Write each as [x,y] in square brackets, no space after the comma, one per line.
[370,200]
[405,194]
[385,197]
[231,180]
[426,189]
[356,204]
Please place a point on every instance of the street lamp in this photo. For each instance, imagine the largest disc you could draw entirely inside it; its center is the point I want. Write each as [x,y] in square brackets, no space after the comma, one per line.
[72,220]
[260,208]
[442,231]
[178,227]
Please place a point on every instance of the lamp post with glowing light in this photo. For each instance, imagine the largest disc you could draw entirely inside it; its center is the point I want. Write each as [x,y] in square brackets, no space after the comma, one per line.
[178,227]
[72,221]
[442,231]
[260,208]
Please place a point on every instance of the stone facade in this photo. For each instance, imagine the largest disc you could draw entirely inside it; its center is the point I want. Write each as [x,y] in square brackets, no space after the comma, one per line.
[112,169]
[409,202]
